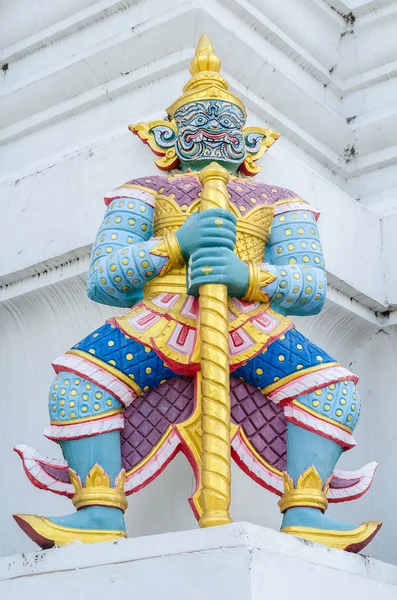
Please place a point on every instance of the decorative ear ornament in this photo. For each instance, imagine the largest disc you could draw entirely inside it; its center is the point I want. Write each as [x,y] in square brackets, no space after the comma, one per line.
[160,137]
[257,141]
[206,83]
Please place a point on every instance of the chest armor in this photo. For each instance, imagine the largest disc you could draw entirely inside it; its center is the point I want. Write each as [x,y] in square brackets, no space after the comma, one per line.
[254,215]
[177,197]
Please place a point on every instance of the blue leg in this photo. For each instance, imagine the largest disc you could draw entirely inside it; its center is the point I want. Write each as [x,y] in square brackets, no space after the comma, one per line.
[79,410]
[305,449]
[94,461]
[81,455]
[311,459]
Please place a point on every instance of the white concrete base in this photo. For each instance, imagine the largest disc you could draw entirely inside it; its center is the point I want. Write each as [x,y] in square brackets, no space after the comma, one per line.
[234,562]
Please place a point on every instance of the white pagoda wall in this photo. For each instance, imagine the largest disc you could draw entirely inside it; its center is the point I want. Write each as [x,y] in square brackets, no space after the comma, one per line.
[239,560]
[78,73]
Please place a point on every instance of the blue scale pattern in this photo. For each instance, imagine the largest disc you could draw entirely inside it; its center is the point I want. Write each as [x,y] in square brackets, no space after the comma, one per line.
[297,289]
[121,261]
[292,352]
[339,402]
[298,229]
[72,398]
[133,359]
[296,259]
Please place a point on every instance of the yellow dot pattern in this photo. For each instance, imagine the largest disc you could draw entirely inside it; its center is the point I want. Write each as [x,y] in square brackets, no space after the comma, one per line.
[121,244]
[336,402]
[295,244]
[78,399]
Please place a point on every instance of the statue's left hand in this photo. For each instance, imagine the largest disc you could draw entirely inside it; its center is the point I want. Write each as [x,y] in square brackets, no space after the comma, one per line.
[217,265]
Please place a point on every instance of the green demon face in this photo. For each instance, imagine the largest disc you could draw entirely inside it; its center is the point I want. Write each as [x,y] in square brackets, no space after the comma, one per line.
[205,131]
[210,130]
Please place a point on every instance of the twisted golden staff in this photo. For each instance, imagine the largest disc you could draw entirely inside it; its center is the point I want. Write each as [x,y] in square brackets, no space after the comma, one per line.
[215,374]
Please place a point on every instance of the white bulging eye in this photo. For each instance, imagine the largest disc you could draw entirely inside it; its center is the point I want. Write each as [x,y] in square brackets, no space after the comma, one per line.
[199,121]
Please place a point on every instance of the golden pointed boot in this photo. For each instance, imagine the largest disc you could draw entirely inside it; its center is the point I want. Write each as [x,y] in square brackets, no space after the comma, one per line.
[310,493]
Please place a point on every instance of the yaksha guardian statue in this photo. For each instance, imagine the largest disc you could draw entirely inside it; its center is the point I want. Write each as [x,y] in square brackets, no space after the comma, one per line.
[210,266]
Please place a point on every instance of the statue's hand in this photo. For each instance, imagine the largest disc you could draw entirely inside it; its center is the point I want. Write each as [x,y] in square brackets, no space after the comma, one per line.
[217,265]
[210,229]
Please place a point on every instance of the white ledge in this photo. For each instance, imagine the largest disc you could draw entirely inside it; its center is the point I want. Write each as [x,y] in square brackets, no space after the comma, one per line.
[75,265]
[233,561]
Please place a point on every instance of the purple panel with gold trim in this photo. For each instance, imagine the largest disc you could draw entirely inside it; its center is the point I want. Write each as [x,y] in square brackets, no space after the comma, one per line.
[262,422]
[149,417]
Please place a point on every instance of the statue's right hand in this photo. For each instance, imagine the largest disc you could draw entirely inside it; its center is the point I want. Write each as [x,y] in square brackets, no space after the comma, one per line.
[212,228]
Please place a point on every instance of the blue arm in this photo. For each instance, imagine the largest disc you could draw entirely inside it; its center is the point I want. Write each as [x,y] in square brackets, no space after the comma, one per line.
[121,259]
[295,258]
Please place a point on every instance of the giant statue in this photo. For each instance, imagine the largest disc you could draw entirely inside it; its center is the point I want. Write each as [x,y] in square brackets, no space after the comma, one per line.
[210,266]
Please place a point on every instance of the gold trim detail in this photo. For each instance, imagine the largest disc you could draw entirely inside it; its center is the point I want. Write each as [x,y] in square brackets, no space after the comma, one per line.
[173,282]
[257,278]
[249,167]
[309,491]
[174,250]
[137,186]
[253,229]
[97,490]
[57,535]
[104,415]
[322,417]
[112,370]
[152,453]
[255,453]
[144,131]
[169,248]
[215,374]
[290,201]
[206,82]
[293,376]
[353,539]
[191,433]
[158,335]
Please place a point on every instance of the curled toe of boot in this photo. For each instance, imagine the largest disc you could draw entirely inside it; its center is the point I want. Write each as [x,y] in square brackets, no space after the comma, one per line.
[353,540]
[47,534]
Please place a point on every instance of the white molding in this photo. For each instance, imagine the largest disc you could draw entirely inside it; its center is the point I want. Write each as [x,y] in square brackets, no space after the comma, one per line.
[239,560]
[358,7]
[60,29]
[121,51]
[21,19]
[65,269]
[45,211]
[318,119]
[80,94]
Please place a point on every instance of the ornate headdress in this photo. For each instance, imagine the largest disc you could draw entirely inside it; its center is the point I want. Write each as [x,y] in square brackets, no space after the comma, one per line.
[206,83]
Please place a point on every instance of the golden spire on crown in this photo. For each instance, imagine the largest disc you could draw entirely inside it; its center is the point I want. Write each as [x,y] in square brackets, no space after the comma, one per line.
[206,82]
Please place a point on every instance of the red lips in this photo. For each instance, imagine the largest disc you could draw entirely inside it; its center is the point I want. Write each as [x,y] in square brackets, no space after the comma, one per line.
[212,136]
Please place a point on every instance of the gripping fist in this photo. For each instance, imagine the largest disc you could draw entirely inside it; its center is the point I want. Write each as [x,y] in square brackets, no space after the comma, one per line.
[217,265]
[209,229]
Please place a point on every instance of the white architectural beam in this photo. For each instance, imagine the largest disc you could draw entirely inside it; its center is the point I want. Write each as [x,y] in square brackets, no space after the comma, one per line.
[220,563]
[358,7]
[53,220]
[333,118]
[60,106]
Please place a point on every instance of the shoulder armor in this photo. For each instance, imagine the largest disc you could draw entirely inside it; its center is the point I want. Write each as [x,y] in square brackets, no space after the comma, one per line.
[144,188]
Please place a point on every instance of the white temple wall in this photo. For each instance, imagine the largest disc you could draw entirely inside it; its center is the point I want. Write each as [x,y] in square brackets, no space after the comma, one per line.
[78,73]
[239,560]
